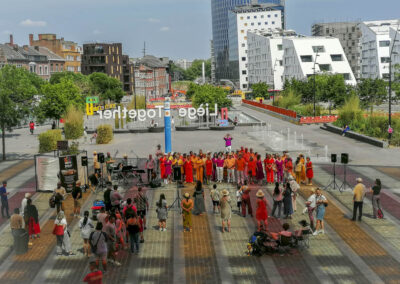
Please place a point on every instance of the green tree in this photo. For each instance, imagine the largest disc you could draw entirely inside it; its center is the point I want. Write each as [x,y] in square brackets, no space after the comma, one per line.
[107,88]
[208,94]
[260,90]
[17,90]
[196,70]
[372,92]
[57,97]
[396,81]
[80,80]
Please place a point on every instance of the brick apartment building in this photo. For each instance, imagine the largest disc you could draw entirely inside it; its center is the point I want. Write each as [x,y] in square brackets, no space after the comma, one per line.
[68,50]
[151,77]
[108,58]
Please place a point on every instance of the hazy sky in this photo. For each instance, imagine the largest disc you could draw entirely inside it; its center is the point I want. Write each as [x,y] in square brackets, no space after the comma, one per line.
[173,28]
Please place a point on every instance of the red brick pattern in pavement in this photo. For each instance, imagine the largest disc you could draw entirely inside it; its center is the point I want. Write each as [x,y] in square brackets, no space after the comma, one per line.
[200,259]
[388,204]
[372,253]
[15,169]
[292,267]
[25,267]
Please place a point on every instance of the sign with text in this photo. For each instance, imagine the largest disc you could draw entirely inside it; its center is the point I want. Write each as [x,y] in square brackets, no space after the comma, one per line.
[68,171]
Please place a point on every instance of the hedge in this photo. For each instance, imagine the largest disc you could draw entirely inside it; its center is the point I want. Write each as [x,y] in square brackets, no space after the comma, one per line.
[104,134]
[48,140]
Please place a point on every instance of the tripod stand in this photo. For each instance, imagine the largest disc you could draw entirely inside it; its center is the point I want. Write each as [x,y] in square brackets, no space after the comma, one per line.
[178,199]
[333,182]
[343,186]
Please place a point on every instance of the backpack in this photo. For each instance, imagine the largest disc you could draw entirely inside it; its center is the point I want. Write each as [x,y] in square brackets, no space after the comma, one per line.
[52,201]
[94,246]
[379,214]
[129,211]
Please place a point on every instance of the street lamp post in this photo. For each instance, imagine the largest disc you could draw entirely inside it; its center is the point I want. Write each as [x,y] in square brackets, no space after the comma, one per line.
[273,81]
[314,87]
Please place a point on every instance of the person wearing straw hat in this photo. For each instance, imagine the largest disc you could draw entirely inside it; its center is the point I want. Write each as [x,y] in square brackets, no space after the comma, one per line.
[261,212]
[187,206]
[226,210]
[358,198]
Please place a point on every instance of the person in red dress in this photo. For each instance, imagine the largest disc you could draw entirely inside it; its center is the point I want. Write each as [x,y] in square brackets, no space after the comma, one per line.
[209,168]
[251,167]
[261,213]
[188,168]
[246,202]
[162,166]
[269,162]
[309,171]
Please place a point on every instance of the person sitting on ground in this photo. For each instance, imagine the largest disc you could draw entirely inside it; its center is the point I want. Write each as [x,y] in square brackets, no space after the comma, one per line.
[285,232]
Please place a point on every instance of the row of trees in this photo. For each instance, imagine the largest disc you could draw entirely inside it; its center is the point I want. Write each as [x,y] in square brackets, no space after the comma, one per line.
[192,73]
[203,94]
[24,95]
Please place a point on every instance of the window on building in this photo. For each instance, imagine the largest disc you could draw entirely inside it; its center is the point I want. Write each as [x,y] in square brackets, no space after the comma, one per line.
[262,16]
[353,29]
[273,22]
[243,58]
[325,67]
[252,24]
[280,62]
[280,46]
[46,70]
[245,24]
[259,23]
[244,86]
[336,57]
[255,17]
[51,67]
[78,58]
[327,30]
[385,76]
[385,59]
[266,23]
[40,70]
[241,18]
[276,15]
[269,16]
[346,76]
[306,58]
[242,31]
[244,72]
[248,17]
[318,48]
[384,43]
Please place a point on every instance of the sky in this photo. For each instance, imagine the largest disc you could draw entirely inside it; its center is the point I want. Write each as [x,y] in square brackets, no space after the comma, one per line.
[172,28]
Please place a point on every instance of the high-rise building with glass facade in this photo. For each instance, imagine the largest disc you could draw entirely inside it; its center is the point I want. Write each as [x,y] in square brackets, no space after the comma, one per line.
[220,25]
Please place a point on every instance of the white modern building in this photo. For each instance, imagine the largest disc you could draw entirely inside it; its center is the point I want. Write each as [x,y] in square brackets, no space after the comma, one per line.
[395,37]
[184,63]
[375,46]
[265,57]
[244,19]
[301,54]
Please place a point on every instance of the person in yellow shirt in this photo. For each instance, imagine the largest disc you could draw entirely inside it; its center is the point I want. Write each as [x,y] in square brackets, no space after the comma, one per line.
[358,199]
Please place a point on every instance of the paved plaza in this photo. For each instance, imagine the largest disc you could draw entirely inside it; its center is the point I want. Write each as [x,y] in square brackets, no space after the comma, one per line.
[348,252]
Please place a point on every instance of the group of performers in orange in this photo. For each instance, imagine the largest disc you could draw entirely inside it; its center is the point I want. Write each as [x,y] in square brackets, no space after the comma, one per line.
[241,166]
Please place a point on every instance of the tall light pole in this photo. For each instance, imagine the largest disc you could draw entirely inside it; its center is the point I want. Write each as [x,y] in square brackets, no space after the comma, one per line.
[390,130]
[314,87]
[273,81]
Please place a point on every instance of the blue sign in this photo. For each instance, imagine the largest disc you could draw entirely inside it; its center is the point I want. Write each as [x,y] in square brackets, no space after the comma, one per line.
[167,125]
[223,122]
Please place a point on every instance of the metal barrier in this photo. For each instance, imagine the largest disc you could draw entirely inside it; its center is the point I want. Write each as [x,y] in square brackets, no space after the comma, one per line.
[282,111]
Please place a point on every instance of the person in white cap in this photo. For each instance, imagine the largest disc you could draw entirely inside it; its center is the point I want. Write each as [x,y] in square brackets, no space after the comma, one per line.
[358,199]
[226,210]
[24,202]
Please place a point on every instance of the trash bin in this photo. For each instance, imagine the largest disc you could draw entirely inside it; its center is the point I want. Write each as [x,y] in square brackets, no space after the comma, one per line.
[21,240]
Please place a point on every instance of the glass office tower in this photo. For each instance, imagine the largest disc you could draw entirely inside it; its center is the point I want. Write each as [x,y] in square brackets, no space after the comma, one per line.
[220,24]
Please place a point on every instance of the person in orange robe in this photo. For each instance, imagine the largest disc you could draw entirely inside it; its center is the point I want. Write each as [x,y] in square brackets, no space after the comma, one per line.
[193,159]
[269,164]
[188,168]
[199,168]
[303,169]
[309,171]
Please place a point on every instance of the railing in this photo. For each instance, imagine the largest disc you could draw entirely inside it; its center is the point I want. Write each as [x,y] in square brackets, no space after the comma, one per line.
[318,119]
[282,111]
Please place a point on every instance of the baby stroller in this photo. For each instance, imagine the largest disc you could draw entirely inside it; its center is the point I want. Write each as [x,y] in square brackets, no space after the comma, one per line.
[260,243]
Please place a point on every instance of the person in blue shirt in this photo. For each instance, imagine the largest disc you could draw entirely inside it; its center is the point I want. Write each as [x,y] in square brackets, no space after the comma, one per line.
[4,199]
